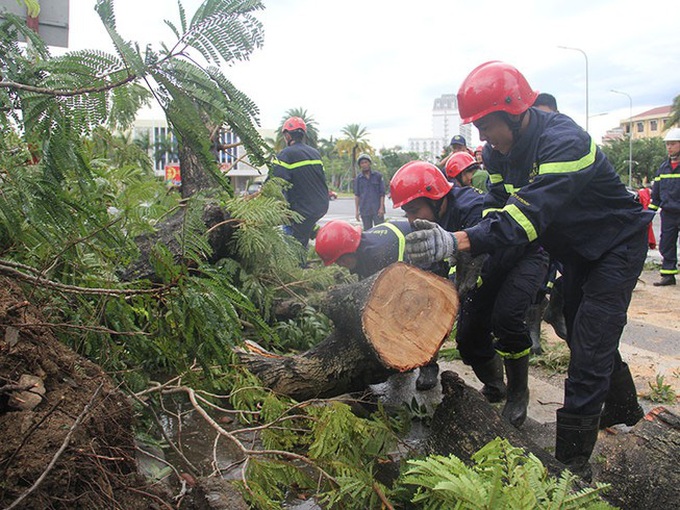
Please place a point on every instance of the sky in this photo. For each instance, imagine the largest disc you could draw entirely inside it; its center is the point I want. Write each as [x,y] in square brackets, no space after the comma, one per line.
[382,63]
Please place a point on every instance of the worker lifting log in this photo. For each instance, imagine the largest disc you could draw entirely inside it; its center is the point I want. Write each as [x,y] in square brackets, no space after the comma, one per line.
[382,327]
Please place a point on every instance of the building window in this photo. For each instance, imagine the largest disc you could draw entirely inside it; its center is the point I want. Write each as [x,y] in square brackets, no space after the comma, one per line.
[653,125]
[640,127]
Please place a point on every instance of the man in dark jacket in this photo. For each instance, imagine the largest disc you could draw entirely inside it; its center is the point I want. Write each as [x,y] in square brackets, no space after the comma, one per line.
[491,322]
[666,196]
[300,165]
[369,194]
[551,183]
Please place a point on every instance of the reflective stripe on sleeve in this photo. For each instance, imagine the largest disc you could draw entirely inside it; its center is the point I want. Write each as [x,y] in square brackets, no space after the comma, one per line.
[401,237]
[560,167]
[517,215]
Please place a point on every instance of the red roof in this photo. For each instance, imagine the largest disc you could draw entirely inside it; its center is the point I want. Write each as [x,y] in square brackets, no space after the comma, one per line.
[659,111]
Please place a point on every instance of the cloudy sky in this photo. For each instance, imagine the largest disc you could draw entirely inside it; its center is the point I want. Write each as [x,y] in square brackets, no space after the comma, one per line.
[381,63]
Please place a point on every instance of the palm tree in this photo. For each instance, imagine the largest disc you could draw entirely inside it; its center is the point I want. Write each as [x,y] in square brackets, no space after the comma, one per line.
[354,142]
[312,131]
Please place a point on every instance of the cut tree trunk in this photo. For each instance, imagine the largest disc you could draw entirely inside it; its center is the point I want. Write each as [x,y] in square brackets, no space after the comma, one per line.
[394,321]
[464,422]
[642,464]
[219,237]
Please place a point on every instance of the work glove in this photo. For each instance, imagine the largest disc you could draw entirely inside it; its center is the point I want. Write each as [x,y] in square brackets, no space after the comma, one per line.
[429,243]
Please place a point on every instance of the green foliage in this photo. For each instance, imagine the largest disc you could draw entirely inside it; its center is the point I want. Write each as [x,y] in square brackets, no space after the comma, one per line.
[306,330]
[555,357]
[648,154]
[661,392]
[502,476]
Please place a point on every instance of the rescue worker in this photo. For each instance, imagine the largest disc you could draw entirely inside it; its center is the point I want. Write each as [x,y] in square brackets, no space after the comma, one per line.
[300,165]
[666,196]
[551,183]
[460,168]
[497,308]
[481,177]
[364,254]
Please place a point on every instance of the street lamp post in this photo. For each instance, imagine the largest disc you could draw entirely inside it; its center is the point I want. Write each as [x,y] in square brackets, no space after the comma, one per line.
[586,57]
[630,137]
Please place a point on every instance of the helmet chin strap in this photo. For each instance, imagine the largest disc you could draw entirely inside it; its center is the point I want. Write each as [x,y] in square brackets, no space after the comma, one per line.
[515,125]
[436,206]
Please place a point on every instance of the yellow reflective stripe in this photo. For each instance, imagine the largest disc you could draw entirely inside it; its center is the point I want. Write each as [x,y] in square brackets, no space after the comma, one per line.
[668,176]
[657,179]
[668,271]
[293,166]
[653,207]
[452,271]
[560,167]
[401,237]
[517,215]
[510,189]
[514,355]
[490,210]
[495,178]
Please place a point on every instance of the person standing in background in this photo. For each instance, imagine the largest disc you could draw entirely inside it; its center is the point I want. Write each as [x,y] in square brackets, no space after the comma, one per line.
[666,196]
[369,194]
[301,166]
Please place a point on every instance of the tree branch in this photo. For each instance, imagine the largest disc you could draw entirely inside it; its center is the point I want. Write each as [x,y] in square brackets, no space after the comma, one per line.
[63,92]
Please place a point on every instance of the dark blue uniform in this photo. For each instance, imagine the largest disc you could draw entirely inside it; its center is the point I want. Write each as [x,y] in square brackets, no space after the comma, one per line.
[556,186]
[666,196]
[510,280]
[381,246]
[301,165]
[369,190]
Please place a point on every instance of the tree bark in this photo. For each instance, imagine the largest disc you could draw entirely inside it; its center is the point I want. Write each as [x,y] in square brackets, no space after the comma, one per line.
[464,422]
[392,322]
[642,465]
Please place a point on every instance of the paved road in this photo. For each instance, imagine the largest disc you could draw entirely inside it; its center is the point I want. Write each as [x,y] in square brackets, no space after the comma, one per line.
[343,209]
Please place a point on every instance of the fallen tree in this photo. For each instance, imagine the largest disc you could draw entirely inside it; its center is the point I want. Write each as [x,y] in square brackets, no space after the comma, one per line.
[392,322]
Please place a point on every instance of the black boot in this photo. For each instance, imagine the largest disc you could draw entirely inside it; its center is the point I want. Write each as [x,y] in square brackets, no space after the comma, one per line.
[427,377]
[517,372]
[621,404]
[554,313]
[666,279]
[575,440]
[533,320]
[491,374]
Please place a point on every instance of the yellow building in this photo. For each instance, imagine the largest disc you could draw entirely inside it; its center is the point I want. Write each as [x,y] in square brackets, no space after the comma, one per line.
[648,124]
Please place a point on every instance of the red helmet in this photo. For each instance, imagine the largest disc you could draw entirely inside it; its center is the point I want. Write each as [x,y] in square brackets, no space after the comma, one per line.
[294,123]
[335,239]
[459,162]
[418,179]
[494,87]
[480,148]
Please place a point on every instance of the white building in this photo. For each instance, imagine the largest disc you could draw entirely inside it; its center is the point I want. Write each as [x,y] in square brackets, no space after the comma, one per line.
[446,123]
[152,130]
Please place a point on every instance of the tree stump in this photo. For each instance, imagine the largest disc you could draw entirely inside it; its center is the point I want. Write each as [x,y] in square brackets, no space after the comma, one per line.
[642,464]
[464,422]
[394,321]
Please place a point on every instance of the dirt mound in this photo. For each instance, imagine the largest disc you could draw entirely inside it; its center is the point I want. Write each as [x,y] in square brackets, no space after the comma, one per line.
[81,425]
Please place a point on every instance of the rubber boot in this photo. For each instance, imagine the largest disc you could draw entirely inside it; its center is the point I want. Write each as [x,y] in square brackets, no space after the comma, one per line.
[517,372]
[621,404]
[491,374]
[533,320]
[554,313]
[666,279]
[575,440]
[427,377]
